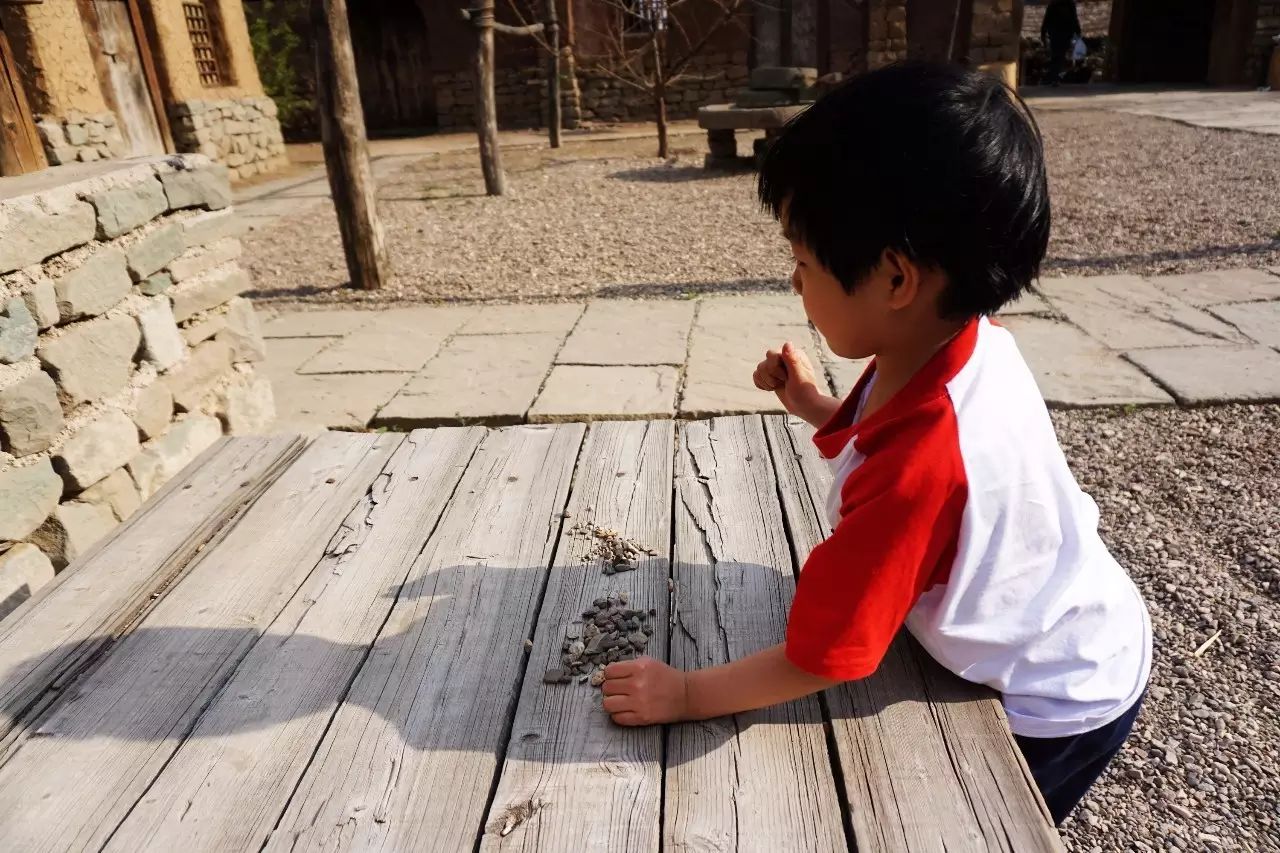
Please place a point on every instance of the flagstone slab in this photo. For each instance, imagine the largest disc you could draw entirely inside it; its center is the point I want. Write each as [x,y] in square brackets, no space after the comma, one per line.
[617,392]
[557,318]
[489,379]
[343,402]
[763,309]
[316,324]
[286,355]
[626,331]
[376,351]
[1203,375]
[721,362]
[1217,287]
[1028,303]
[1258,320]
[1127,312]
[1072,369]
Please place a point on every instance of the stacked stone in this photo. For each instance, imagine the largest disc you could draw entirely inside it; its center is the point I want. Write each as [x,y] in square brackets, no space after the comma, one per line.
[711,78]
[125,349]
[994,37]
[242,133]
[587,96]
[80,137]
[886,32]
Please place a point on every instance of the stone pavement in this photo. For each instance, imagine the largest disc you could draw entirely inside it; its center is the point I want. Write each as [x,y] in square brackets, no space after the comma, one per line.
[1253,111]
[1198,338]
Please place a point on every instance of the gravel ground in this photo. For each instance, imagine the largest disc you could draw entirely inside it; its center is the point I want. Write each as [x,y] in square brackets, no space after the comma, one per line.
[1190,503]
[1131,194]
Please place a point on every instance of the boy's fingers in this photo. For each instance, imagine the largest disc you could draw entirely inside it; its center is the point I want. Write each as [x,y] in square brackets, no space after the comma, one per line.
[614,686]
[620,669]
[614,704]
[628,718]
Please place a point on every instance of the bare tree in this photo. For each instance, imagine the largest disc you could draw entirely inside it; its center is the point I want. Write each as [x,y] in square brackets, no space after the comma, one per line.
[649,45]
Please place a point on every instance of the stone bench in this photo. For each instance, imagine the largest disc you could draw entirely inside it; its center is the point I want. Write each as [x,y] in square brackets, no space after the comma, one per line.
[720,121]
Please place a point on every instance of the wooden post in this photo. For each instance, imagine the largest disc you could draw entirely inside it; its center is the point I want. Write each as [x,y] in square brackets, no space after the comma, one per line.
[495,182]
[553,74]
[346,155]
[659,87]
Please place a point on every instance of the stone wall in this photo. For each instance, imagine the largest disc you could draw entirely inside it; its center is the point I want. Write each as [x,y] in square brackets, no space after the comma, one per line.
[588,96]
[242,133]
[994,36]
[125,348]
[81,138]
[886,32]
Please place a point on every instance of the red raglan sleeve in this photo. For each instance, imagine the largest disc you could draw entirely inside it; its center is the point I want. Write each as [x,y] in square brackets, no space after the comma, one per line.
[900,518]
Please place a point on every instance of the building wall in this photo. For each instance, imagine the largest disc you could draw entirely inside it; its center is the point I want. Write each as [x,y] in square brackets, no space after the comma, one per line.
[177,60]
[1259,59]
[237,124]
[53,51]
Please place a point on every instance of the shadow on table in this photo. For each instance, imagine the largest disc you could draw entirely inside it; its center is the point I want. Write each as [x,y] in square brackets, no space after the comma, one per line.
[441,685]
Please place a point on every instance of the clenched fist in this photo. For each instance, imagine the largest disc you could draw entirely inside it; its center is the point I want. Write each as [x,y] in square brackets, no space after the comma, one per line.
[644,692]
[789,374]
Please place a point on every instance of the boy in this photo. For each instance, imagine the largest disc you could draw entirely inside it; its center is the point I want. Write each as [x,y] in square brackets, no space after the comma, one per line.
[916,203]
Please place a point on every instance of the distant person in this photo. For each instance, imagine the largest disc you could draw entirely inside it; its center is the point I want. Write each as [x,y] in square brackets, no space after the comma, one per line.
[916,204]
[1060,27]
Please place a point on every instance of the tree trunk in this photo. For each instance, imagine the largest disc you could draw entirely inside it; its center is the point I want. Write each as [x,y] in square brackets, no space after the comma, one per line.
[553,74]
[346,155]
[495,183]
[659,91]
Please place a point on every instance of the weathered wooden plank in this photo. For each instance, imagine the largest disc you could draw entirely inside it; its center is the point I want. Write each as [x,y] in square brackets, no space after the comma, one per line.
[66,625]
[227,785]
[572,780]
[87,762]
[927,759]
[410,759]
[760,780]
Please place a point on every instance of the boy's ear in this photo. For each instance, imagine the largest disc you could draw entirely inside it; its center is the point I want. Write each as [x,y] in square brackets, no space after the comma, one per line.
[904,278]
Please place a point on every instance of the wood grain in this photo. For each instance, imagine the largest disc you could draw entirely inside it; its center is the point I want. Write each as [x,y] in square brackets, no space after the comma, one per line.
[760,780]
[927,759]
[411,757]
[227,785]
[90,759]
[572,780]
[65,627]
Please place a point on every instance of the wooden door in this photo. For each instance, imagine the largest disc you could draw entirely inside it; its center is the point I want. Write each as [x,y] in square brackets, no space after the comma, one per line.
[20,149]
[125,77]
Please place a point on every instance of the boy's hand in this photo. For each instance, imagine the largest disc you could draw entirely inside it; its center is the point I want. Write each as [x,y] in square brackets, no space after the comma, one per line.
[644,691]
[789,374]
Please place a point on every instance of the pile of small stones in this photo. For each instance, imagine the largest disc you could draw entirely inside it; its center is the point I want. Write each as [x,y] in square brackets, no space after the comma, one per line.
[610,631]
[618,553]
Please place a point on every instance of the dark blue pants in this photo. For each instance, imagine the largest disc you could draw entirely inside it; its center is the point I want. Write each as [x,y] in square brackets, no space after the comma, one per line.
[1065,767]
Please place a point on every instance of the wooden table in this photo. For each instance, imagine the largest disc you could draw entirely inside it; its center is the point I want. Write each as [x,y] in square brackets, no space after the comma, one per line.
[323,647]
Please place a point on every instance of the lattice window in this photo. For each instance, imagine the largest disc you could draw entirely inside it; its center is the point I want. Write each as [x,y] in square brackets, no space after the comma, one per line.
[207,43]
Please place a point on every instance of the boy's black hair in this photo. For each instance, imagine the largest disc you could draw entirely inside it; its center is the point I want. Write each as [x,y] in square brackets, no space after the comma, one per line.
[939,163]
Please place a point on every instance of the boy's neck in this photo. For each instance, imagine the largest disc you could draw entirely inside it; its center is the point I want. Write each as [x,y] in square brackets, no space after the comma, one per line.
[896,364]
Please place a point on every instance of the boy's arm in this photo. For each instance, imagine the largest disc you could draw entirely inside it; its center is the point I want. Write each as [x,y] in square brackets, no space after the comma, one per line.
[647,691]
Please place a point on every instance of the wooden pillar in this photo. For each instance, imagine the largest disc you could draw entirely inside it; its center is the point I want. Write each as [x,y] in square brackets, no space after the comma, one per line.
[553,74]
[766,33]
[346,155]
[495,182]
[804,33]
